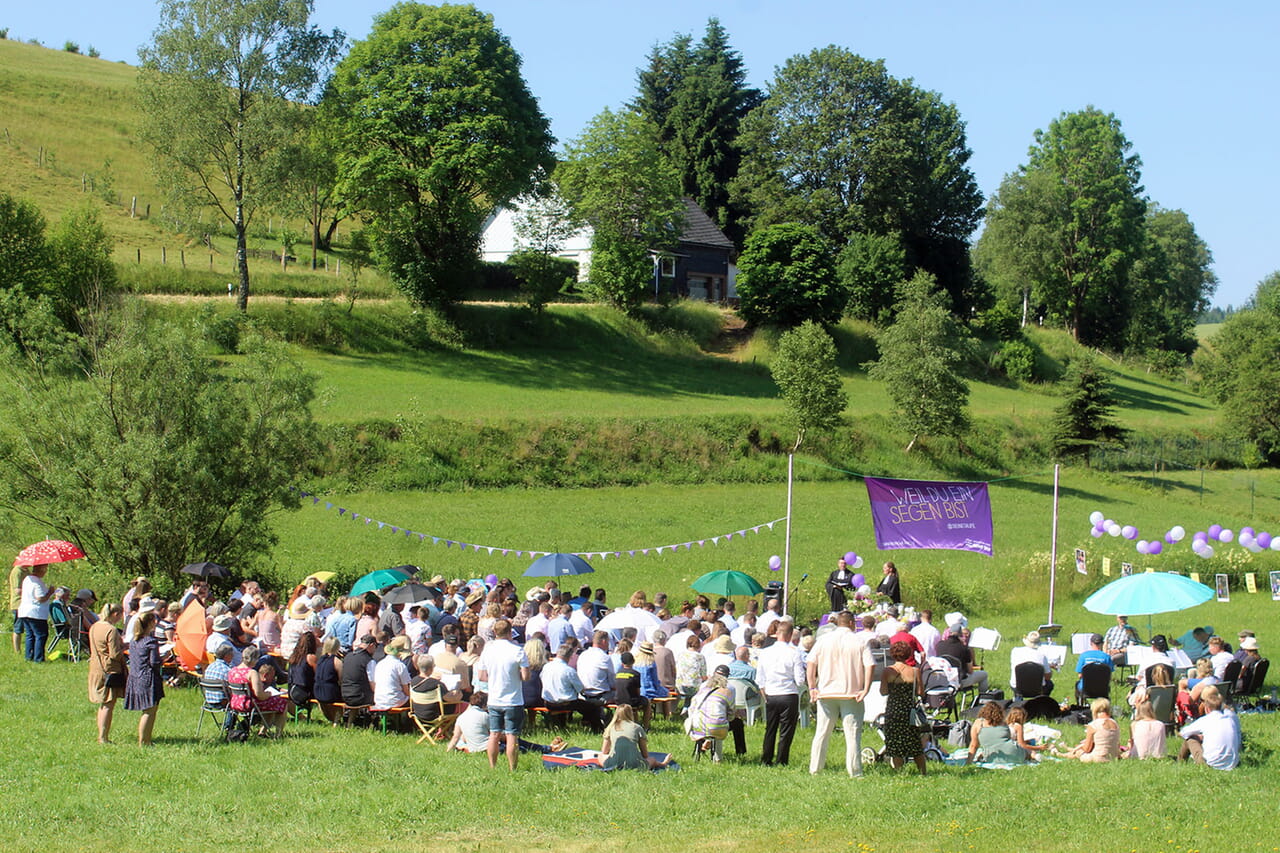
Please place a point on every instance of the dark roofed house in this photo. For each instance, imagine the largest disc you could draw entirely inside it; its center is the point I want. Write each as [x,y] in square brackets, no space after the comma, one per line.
[701,266]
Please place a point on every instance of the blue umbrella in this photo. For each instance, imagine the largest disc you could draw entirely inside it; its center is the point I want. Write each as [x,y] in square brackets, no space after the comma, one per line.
[1147,593]
[555,565]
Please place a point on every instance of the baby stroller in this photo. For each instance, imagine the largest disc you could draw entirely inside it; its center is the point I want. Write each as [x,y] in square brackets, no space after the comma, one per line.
[934,729]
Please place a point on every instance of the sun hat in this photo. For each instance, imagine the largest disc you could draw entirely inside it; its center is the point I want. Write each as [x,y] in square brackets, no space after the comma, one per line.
[299,608]
[398,647]
[436,580]
[1031,640]
[86,595]
[475,598]
[1249,644]
[646,648]
[148,605]
[222,623]
[724,645]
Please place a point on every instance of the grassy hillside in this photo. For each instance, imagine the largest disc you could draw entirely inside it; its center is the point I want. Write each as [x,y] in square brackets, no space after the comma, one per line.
[69,136]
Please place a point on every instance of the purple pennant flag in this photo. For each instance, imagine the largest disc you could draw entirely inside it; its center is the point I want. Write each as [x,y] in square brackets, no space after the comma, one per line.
[315,501]
[422,537]
[930,514]
[519,554]
[688,546]
[631,553]
[355,516]
[477,548]
[341,510]
[304,494]
[702,543]
[644,552]
[408,534]
[742,533]
[395,529]
[756,529]
[617,553]
[448,542]
[463,546]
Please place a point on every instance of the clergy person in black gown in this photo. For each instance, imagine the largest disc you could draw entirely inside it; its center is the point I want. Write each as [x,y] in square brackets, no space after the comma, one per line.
[839,585]
[889,586]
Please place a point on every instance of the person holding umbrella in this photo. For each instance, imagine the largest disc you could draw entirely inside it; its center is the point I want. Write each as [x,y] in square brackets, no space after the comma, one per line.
[33,610]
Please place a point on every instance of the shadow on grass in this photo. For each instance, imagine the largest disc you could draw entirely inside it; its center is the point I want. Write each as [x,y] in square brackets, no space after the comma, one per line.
[1151,400]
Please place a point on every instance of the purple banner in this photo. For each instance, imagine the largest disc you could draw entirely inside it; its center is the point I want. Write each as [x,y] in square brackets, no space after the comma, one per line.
[930,514]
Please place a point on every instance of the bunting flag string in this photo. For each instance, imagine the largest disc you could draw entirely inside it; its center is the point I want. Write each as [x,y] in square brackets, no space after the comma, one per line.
[532,553]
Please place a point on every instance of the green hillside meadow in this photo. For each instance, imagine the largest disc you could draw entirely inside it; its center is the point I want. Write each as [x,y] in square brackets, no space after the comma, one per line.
[584,430]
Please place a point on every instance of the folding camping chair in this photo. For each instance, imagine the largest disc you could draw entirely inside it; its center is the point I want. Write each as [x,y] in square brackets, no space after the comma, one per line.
[216,699]
[1028,680]
[437,728]
[60,622]
[1095,683]
[242,721]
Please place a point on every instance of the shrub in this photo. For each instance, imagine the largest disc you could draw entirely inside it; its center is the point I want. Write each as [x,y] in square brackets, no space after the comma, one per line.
[71,47]
[1015,359]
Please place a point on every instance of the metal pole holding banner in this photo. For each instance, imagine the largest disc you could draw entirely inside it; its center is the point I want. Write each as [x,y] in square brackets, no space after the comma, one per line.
[786,552]
[1053,547]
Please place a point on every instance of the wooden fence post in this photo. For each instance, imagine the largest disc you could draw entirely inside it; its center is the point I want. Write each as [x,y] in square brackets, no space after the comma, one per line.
[163,257]
[182,257]
[139,256]
[133,208]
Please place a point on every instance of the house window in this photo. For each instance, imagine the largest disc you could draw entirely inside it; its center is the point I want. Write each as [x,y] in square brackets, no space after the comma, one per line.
[667,267]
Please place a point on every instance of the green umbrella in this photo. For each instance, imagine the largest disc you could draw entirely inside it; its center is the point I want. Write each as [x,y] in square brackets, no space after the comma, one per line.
[727,582]
[376,580]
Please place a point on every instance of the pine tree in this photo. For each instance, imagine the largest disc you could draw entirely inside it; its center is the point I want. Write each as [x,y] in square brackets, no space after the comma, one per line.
[1084,420]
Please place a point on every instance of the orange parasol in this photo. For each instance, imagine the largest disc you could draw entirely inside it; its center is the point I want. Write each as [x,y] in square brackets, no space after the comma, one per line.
[191,633]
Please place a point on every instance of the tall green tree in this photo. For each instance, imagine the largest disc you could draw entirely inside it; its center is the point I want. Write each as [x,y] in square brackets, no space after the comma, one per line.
[1086,417]
[840,144]
[161,456]
[786,276]
[617,181]
[804,368]
[1242,370]
[697,96]
[919,359]
[436,127]
[1171,282]
[1069,224]
[215,87]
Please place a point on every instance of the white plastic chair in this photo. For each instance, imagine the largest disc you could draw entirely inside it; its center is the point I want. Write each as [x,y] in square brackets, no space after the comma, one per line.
[746,695]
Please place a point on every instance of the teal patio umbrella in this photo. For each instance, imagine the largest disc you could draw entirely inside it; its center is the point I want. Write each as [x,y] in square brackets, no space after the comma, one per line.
[1147,593]
[727,582]
[379,579]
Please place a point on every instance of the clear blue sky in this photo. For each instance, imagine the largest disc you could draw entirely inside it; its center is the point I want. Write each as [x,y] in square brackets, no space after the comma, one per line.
[1195,85]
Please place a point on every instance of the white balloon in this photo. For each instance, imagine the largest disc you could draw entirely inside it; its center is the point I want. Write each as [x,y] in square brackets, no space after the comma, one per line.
[1177,533]
[1255,547]
[1198,545]
[1206,552]
[1141,546]
[1275,542]
[857,564]
[1246,540]
[1096,517]
[865,589]
[1226,535]
[1114,529]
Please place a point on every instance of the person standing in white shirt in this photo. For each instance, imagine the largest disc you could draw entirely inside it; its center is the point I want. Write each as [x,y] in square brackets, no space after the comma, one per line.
[839,677]
[780,672]
[503,666]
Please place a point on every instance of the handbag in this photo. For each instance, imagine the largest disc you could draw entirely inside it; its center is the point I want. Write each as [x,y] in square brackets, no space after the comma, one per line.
[920,720]
[116,680]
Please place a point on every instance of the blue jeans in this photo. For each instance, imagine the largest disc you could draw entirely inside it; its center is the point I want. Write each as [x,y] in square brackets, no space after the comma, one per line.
[37,638]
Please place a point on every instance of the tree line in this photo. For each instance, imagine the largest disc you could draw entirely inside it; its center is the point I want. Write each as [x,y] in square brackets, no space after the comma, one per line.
[421,129]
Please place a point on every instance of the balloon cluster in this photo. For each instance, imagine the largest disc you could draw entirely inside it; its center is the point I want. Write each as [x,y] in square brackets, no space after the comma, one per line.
[1201,541]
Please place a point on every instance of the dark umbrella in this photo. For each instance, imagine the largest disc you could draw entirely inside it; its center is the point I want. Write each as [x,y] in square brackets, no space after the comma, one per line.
[408,570]
[555,565]
[406,593]
[48,551]
[206,570]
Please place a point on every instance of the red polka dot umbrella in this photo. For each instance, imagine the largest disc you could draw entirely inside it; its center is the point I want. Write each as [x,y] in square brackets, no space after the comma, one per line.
[48,551]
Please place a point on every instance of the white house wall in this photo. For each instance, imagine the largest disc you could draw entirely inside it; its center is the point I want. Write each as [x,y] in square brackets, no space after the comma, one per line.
[498,242]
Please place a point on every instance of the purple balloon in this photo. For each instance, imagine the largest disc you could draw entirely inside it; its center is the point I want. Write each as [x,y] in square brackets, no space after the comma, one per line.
[491,580]
[1129,532]
[1263,539]
[850,558]
[1155,547]
[1168,537]
[1200,536]
[1097,533]
[775,562]
[1249,530]
[858,580]
[1214,531]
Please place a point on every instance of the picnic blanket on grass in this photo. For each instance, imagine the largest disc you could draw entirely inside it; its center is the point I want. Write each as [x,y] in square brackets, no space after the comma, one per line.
[589,759]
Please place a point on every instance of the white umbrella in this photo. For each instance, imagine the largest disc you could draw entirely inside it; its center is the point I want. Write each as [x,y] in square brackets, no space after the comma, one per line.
[630,617]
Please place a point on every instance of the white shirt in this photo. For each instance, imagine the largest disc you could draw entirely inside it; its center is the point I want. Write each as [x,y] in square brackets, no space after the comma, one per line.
[499,666]
[679,642]
[596,671]
[33,589]
[390,683]
[739,634]
[560,682]
[729,622]
[418,632]
[1220,661]
[1026,655]
[766,619]
[928,636]
[1220,733]
[537,624]
[582,626]
[889,627]
[780,670]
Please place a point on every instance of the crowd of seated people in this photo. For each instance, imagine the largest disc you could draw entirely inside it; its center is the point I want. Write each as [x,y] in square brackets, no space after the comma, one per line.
[428,658]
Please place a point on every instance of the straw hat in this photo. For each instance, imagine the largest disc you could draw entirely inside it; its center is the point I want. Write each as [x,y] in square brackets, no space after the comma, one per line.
[398,647]
[723,645]
[222,624]
[1031,640]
